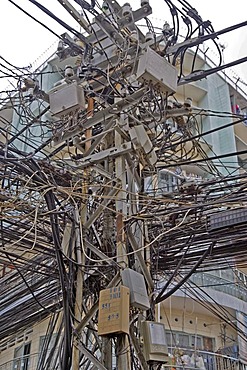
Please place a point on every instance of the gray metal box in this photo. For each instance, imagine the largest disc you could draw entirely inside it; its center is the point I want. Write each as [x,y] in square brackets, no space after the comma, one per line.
[155,69]
[66,98]
[138,292]
[154,341]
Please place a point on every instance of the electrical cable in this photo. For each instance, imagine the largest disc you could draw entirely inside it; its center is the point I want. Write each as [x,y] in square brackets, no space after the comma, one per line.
[60,202]
[62,23]
[29,15]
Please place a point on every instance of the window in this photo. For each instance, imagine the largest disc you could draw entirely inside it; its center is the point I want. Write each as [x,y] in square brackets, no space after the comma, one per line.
[22,357]
[167,182]
[190,341]
[171,339]
[183,340]
[47,346]
[196,341]
[208,344]
[242,277]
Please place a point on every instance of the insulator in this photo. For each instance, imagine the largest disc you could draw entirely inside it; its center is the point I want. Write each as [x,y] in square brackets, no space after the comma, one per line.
[144,2]
[29,82]
[68,71]
[166,29]
[105,6]
[188,102]
[134,36]
[169,104]
[60,45]
[149,36]
[126,10]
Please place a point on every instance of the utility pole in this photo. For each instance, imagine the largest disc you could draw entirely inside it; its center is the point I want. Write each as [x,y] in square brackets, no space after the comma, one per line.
[114,119]
[79,286]
[122,350]
[81,218]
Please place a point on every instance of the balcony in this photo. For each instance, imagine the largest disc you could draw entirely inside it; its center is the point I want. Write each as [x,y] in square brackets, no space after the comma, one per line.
[220,284]
[184,358]
[28,362]
[179,359]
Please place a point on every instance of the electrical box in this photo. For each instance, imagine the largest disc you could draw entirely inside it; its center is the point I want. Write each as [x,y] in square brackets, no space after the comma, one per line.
[114,311]
[156,69]
[154,341]
[138,292]
[141,142]
[66,98]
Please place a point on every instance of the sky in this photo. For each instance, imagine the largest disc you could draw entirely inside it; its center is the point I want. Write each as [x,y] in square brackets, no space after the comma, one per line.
[24,42]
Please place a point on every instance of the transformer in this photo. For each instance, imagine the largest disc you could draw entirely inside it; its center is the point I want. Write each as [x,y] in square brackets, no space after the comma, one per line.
[66,98]
[156,69]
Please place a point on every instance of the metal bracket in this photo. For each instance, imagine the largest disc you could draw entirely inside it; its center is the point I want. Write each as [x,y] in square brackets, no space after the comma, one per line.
[75,14]
[140,258]
[104,154]
[102,116]
[110,31]
[91,357]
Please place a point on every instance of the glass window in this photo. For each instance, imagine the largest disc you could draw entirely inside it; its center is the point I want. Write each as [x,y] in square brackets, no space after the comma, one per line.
[208,344]
[171,339]
[183,340]
[196,341]
[46,347]
[22,357]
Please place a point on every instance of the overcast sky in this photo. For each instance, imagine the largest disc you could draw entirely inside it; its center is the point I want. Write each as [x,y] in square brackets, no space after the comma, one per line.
[23,40]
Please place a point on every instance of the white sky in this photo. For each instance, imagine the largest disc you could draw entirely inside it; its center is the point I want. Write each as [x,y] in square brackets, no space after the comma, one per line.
[23,40]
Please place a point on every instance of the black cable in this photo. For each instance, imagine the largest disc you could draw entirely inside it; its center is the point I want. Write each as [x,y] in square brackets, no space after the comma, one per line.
[29,15]
[175,21]
[202,74]
[207,132]
[12,65]
[27,285]
[62,23]
[206,159]
[85,5]
[50,200]
[219,310]
[161,297]
[65,40]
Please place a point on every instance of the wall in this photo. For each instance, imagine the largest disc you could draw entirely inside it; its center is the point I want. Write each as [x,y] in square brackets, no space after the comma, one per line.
[223,141]
[192,320]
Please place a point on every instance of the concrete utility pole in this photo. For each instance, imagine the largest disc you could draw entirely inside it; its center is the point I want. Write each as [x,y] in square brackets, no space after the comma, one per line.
[79,288]
[79,241]
[122,350]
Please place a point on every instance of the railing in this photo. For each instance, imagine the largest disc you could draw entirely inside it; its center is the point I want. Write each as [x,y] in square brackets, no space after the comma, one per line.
[202,360]
[179,359]
[28,362]
[232,288]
